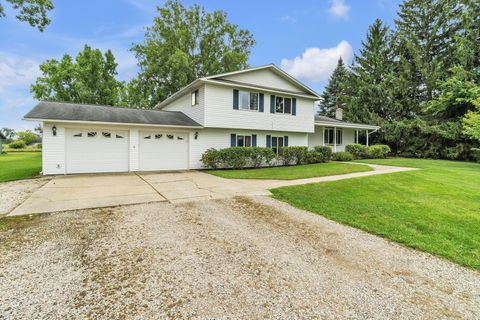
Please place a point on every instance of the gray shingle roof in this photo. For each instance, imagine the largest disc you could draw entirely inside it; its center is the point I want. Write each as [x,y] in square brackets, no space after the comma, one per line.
[327,119]
[85,112]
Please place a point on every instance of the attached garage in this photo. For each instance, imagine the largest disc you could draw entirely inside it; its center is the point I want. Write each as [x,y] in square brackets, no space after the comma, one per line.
[162,150]
[81,138]
[95,150]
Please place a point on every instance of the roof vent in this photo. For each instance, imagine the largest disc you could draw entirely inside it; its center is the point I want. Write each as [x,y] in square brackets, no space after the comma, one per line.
[339,114]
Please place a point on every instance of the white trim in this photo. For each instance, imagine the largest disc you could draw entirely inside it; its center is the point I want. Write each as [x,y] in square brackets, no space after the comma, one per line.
[346,125]
[114,123]
[262,89]
[267,66]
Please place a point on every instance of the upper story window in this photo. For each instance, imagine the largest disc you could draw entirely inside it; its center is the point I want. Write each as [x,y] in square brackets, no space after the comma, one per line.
[283,105]
[195,97]
[248,100]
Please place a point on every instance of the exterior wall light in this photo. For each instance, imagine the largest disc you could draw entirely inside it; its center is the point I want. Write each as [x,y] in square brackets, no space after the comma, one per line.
[54,130]
[195,135]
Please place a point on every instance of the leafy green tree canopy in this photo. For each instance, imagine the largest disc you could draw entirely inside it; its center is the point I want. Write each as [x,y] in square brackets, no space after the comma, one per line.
[27,136]
[90,78]
[184,44]
[32,11]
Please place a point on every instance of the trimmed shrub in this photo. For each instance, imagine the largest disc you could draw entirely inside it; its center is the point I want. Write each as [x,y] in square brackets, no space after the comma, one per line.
[476,154]
[293,155]
[314,157]
[211,158]
[325,151]
[259,156]
[18,144]
[378,151]
[39,146]
[358,151]
[343,156]
[235,157]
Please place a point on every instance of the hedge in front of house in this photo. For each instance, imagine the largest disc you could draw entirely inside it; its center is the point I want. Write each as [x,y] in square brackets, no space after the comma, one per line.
[342,156]
[237,157]
[293,155]
[358,151]
[378,151]
[325,151]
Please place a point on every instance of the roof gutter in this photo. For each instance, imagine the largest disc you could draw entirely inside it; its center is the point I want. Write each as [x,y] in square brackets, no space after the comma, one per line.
[347,125]
[113,123]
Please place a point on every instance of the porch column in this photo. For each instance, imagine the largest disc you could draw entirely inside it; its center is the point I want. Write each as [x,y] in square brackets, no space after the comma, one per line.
[367,136]
[334,139]
[356,136]
[323,136]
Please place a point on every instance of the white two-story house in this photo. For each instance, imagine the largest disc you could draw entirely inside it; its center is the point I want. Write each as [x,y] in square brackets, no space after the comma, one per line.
[261,106]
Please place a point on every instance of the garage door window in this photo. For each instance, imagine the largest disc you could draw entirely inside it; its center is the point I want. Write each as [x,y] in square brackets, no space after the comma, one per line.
[106,134]
[118,136]
[77,134]
[92,134]
[148,137]
[158,136]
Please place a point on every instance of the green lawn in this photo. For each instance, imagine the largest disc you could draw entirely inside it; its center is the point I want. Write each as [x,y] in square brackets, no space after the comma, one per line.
[435,209]
[292,172]
[20,165]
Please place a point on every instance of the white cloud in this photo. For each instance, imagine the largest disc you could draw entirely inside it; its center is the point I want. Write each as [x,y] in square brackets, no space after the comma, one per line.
[288,19]
[317,64]
[16,70]
[339,9]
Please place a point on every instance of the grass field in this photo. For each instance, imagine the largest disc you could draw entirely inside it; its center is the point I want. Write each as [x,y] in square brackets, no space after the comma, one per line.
[20,165]
[292,172]
[435,209]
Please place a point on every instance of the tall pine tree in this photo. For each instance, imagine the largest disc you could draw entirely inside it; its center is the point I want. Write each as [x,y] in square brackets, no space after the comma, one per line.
[335,93]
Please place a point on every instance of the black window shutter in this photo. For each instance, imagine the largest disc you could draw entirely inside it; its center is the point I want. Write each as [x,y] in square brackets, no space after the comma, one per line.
[285,141]
[260,108]
[294,106]
[272,103]
[254,140]
[269,141]
[233,140]
[235,99]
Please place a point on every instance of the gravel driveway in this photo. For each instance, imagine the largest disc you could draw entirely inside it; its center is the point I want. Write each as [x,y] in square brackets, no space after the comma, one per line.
[242,258]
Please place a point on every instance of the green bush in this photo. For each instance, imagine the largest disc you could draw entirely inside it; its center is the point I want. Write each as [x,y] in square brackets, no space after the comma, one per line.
[358,151]
[378,151]
[293,155]
[211,158]
[39,146]
[315,157]
[325,151]
[476,154]
[27,136]
[18,144]
[260,156]
[235,157]
[343,156]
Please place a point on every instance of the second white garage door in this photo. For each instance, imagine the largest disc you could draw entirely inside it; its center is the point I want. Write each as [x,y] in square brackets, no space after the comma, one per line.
[163,151]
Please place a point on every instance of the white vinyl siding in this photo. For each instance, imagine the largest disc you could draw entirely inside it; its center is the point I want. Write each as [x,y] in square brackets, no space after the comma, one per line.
[265,78]
[220,114]
[221,138]
[184,104]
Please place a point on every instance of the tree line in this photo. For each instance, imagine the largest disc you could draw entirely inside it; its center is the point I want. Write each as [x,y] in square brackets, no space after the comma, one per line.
[419,80]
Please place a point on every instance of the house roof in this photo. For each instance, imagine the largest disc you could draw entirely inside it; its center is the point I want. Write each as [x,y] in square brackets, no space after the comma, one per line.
[322,120]
[308,92]
[76,112]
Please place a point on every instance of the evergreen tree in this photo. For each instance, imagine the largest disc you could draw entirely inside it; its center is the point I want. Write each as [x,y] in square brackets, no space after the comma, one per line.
[370,79]
[335,93]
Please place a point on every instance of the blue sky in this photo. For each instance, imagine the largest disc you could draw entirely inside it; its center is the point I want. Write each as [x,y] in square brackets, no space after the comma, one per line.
[305,38]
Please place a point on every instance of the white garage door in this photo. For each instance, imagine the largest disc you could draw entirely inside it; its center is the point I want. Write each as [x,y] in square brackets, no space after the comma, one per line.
[96,151]
[163,151]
